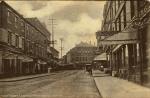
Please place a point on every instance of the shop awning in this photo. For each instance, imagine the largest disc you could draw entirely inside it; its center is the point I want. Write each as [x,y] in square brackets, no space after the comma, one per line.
[100,57]
[9,55]
[27,59]
[41,62]
[120,38]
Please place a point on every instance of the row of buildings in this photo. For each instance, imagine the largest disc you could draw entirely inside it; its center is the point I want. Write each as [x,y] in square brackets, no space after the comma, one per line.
[83,53]
[125,38]
[24,44]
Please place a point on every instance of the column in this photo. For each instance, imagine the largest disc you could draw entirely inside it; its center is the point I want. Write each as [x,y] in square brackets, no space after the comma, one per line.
[127,60]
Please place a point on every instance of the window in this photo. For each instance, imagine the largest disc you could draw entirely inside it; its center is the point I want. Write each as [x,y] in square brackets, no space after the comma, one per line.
[102,37]
[27,30]
[20,42]
[8,16]
[13,39]
[132,9]
[17,41]
[9,38]
[23,43]
[125,23]
[122,20]
[118,24]
[22,23]
[119,3]
[116,3]
[15,21]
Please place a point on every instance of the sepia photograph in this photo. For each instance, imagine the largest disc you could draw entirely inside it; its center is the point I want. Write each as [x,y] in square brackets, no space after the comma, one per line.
[74,48]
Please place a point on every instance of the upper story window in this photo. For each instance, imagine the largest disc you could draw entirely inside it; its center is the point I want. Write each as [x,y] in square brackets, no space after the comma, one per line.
[22,26]
[17,41]
[9,38]
[8,13]
[102,37]
[132,9]
[8,16]
[27,30]
[20,42]
[13,39]
[15,21]
[119,2]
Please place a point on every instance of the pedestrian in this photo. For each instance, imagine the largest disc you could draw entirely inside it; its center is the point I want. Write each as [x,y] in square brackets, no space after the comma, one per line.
[90,70]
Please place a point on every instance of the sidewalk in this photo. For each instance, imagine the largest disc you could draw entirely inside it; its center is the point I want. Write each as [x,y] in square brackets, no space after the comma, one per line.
[13,79]
[112,87]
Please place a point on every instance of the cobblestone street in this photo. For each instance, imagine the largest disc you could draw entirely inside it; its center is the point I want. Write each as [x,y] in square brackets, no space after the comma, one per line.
[64,84]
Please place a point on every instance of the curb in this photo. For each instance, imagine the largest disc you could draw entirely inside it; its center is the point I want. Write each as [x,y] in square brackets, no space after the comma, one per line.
[98,89]
[24,78]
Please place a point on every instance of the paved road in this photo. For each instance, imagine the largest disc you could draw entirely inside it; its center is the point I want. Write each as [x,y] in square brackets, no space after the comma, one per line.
[63,84]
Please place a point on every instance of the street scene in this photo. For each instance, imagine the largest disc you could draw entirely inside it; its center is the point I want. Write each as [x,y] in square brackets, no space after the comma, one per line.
[75,49]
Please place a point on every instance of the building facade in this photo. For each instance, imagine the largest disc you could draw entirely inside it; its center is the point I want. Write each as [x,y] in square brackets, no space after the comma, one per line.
[23,45]
[82,53]
[127,25]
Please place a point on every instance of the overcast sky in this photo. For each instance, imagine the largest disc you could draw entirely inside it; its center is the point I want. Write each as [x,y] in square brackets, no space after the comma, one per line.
[76,20]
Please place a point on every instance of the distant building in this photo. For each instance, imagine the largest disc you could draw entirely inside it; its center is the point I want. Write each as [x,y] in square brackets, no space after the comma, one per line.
[81,54]
[64,59]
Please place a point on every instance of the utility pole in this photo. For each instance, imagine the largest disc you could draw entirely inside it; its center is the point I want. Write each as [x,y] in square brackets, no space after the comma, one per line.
[61,48]
[52,30]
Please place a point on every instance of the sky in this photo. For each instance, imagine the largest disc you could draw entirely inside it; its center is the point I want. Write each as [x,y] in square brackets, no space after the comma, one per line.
[75,21]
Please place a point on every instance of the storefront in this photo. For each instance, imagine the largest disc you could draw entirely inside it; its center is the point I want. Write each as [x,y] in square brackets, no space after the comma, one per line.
[100,61]
[123,55]
[42,66]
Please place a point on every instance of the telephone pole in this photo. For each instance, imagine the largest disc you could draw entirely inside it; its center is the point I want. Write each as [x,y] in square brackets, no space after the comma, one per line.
[61,43]
[53,41]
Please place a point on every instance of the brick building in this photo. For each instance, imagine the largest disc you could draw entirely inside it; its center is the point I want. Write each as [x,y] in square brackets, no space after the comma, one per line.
[124,36]
[23,43]
[82,53]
